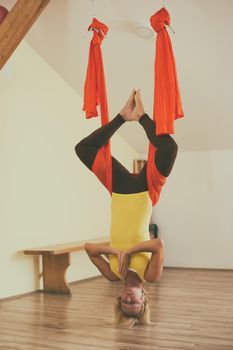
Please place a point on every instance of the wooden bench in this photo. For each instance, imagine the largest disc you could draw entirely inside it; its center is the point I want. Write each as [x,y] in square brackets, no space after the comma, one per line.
[56,260]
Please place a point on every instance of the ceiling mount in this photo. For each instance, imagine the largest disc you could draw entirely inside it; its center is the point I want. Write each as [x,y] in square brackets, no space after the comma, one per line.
[144,30]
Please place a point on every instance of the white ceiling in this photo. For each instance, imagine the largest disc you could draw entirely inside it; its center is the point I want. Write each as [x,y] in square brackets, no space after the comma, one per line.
[203,47]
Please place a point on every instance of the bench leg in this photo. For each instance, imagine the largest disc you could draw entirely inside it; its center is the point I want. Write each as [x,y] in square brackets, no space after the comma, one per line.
[54,269]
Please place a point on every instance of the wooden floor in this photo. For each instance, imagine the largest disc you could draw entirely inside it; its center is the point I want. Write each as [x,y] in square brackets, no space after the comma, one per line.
[193,309]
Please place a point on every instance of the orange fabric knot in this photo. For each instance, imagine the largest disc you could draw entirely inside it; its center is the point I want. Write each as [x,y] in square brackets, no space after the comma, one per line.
[102,31]
[159,19]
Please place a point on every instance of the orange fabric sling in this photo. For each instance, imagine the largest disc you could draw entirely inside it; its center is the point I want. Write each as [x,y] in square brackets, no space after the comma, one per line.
[167,102]
[94,94]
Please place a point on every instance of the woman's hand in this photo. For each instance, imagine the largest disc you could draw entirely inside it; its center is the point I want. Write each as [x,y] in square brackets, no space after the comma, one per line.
[124,263]
[117,252]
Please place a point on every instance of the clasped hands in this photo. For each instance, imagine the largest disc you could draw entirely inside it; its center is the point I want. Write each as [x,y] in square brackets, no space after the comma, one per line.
[123,262]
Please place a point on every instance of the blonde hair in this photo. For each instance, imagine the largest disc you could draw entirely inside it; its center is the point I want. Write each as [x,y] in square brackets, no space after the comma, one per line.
[124,320]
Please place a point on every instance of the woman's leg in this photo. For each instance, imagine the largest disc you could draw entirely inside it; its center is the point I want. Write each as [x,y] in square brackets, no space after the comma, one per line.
[87,149]
[166,147]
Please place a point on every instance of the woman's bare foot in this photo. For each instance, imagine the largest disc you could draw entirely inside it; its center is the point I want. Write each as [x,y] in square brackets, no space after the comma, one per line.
[127,110]
[139,108]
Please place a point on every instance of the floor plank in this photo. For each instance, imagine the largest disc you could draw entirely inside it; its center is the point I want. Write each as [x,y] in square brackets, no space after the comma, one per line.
[192,309]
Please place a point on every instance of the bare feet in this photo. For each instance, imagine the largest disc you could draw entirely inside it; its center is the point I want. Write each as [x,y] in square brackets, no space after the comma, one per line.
[139,108]
[127,110]
[133,109]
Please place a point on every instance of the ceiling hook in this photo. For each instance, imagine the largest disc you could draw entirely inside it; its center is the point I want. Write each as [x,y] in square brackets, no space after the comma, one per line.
[93,8]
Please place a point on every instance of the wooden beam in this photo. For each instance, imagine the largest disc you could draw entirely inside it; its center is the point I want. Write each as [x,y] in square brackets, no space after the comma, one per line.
[16,24]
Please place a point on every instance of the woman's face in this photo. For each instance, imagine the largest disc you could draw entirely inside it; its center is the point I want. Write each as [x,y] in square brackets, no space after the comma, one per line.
[131,300]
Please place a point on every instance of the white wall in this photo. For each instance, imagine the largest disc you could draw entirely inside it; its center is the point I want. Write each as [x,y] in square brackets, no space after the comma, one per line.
[194,213]
[47,195]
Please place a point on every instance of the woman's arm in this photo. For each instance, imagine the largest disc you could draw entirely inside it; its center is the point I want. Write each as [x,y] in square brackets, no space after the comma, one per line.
[94,252]
[155,265]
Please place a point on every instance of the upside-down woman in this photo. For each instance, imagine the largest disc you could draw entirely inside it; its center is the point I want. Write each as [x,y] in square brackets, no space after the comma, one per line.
[133,256]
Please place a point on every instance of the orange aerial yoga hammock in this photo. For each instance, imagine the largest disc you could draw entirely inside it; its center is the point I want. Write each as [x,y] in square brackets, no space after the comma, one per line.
[94,94]
[167,102]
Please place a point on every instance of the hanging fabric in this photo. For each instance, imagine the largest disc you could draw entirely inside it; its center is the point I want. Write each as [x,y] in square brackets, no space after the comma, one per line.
[167,102]
[94,95]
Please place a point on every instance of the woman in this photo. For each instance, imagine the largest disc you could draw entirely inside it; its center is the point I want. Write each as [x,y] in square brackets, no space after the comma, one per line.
[133,257]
